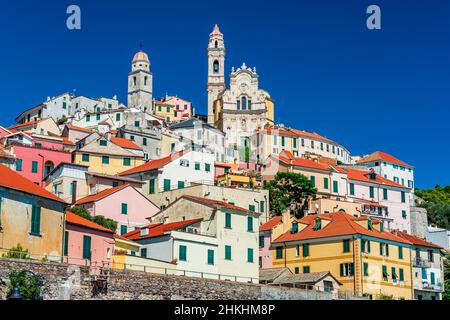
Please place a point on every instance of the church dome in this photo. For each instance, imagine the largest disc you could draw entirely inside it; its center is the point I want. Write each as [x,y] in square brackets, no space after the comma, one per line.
[141,56]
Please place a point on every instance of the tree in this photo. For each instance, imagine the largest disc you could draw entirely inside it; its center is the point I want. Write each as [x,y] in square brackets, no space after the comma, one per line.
[437,203]
[287,188]
[101,220]
[446,294]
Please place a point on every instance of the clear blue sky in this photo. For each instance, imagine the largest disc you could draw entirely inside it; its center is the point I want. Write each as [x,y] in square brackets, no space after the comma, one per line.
[385,90]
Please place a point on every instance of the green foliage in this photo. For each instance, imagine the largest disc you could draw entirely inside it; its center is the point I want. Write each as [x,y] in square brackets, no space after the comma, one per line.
[101,220]
[437,203]
[383,296]
[287,188]
[17,252]
[446,293]
[27,284]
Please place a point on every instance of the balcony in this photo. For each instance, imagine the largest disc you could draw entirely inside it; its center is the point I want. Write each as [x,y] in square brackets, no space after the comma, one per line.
[425,285]
[421,263]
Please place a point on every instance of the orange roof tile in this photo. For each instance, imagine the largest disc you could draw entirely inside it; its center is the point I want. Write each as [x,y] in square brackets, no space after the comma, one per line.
[125,143]
[159,229]
[353,174]
[71,126]
[382,156]
[101,195]
[75,219]
[415,240]
[310,135]
[67,141]
[155,164]
[280,131]
[269,225]
[12,180]
[340,224]
[219,204]
[26,124]
[306,163]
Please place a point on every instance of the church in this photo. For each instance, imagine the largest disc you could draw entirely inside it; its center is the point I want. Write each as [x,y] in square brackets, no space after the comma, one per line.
[240,110]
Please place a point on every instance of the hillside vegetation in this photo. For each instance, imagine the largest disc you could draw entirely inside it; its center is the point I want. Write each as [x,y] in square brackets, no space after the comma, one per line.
[437,203]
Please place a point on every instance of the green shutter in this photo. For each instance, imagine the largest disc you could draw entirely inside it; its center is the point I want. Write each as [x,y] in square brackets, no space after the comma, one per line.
[66,243]
[294,141]
[166,184]
[279,252]
[126,161]
[346,245]
[123,229]
[400,252]
[432,278]
[86,247]
[283,141]
[385,194]
[261,206]
[117,116]
[151,186]
[197,166]
[182,253]
[403,197]
[313,181]
[210,257]
[385,273]
[144,253]
[341,270]
[403,214]
[103,143]
[105,159]
[372,192]
[352,189]
[249,224]
[85,157]
[88,118]
[34,167]
[335,187]
[124,208]
[325,183]
[305,249]
[207,167]
[306,269]
[18,164]
[366,269]
[180,184]
[401,275]
[35,220]
[228,220]
[250,255]
[251,207]
[227,252]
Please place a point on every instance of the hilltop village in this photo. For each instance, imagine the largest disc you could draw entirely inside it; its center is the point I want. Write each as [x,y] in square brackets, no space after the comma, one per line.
[152,184]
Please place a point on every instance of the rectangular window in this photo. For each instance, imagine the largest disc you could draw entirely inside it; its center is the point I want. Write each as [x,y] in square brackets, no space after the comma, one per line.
[283,141]
[136,124]
[85,157]
[325,183]
[103,143]
[64,105]
[105,159]
[261,241]
[144,141]
[296,270]
[180,184]
[432,278]
[385,273]
[250,255]
[117,116]
[87,247]
[366,269]
[18,164]
[430,256]
[346,244]
[66,243]
[305,249]
[144,252]
[251,207]
[400,252]
[88,118]
[210,257]
[123,229]
[365,246]
[294,142]
[352,189]
[151,186]
[228,220]
[403,214]
[197,166]
[401,275]
[261,206]
[279,253]
[183,253]
[403,197]
[346,269]
[385,194]
[372,192]
[306,269]
[227,252]
[166,184]
[34,167]
[98,117]
[313,180]
[207,167]
[126,161]
[124,208]
[35,220]
[250,224]
[335,187]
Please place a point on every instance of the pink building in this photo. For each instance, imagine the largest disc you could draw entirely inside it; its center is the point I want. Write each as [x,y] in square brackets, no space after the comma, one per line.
[182,108]
[123,204]
[86,243]
[265,241]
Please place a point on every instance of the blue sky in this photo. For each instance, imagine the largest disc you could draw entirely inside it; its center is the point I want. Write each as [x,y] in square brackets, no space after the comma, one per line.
[385,90]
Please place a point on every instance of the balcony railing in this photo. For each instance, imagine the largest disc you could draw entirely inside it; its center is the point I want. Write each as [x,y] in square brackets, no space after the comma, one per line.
[421,263]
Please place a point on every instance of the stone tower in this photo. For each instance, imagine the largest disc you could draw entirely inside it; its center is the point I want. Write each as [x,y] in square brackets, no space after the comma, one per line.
[140,83]
[216,70]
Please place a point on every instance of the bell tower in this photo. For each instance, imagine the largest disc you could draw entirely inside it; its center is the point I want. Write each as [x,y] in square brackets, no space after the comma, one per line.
[140,83]
[216,70]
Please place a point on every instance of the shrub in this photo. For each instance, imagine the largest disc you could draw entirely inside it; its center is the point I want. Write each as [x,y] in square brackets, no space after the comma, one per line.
[27,284]
[17,252]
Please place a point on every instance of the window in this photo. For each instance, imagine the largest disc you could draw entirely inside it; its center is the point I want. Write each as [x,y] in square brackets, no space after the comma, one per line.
[98,117]
[250,223]
[144,252]
[296,270]
[294,142]
[210,257]
[132,138]
[228,220]
[85,157]
[394,274]
[87,247]
[366,269]
[297,250]
[88,118]
[18,164]
[365,246]
[321,146]
[38,145]
[303,142]
[123,229]
[346,244]
[182,253]
[384,249]
[244,103]
[312,144]
[283,141]
[115,184]
[385,273]
[144,141]
[66,243]
[151,186]
[126,161]
[403,197]
[325,183]
[216,66]
[261,241]
[197,166]
[305,249]
[124,208]
[103,142]
[207,167]
[400,252]
[401,275]
[250,255]
[64,105]
[136,124]
[279,252]
[372,192]
[385,194]
[335,187]
[430,256]
[34,167]
[166,184]
[35,220]
[432,278]
[117,116]
[352,189]
[105,159]
[403,214]
[306,269]
[346,269]
[251,207]
[313,180]
[227,252]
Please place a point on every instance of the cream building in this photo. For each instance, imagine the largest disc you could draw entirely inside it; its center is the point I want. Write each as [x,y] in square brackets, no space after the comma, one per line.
[140,83]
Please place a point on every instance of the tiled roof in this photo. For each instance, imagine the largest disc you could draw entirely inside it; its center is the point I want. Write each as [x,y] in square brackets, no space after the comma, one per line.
[72,127]
[157,230]
[269,225]
[125,143]
[280,131]
[26,124]
[75,219]
[306,278]
[415,240]
[218,204]
[306,163]
[5,154]
[101,195]
[155,164]
[359,175]
[382,156]
[68,142]
[114,177]
[12,180]
[313,135]
[340,224]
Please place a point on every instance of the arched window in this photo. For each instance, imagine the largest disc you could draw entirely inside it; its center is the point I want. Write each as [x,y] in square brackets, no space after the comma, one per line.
[134,81]
[216,66]
[216,44]
[48,167]
[145,80]
[249,104]
[244,103]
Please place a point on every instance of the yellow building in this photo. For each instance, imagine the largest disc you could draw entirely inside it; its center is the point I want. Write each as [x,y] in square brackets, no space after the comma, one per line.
[366,260]
[233,179]
[107,157]
[165,111]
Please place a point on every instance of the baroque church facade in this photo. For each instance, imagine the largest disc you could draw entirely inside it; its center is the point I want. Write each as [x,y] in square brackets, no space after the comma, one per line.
[240,110]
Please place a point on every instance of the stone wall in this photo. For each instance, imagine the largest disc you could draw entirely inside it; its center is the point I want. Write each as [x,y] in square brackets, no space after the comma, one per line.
[63,281]
[419,221]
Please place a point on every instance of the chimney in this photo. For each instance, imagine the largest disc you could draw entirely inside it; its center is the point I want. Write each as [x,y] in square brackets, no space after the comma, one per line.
[74,192]
[286,219]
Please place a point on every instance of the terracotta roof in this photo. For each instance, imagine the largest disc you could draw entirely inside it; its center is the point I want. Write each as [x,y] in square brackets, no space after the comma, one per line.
[382,156]
[114,177]
[280,131]
[75,219]
[67,141]
[155,164]
[218,204]
[72,127]
[5,154]
[101,195]
[287,154]
[306,163]
[118,236]
[359,175]
[125,143]
[313,135]
[26,124]
[12,180]
[340,224]
[415,240]
[157,230]
[269,225]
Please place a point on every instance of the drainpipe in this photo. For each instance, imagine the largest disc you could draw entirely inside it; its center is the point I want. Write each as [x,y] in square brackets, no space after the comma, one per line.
[42,168]
[411,271]
[354,267]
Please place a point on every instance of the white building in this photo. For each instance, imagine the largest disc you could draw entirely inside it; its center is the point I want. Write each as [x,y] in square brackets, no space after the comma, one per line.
[140,83]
